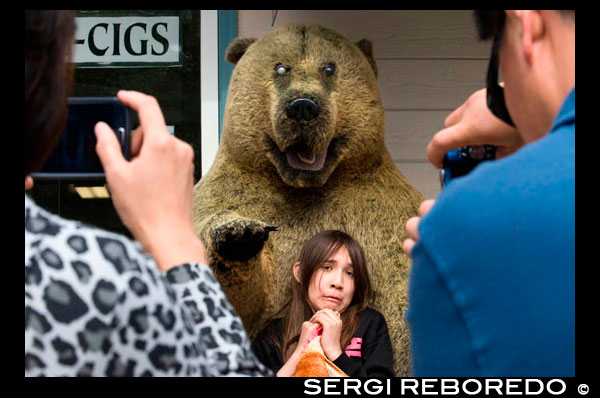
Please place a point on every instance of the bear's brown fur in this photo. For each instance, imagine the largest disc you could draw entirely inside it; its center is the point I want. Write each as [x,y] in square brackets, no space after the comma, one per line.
[254,210]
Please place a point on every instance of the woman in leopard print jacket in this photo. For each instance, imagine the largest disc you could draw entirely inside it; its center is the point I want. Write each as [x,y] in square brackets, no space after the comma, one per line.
[97,303]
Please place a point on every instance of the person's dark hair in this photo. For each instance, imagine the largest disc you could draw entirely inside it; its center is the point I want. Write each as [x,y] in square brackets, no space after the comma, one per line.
[296,310]
[49,37]
[491,22]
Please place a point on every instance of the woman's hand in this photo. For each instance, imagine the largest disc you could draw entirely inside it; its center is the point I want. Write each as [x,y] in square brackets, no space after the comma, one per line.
[332,332]
[152,192]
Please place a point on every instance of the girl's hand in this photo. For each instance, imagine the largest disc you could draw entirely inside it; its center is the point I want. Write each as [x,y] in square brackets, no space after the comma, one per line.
[332,332]
[289,368]
[309,329]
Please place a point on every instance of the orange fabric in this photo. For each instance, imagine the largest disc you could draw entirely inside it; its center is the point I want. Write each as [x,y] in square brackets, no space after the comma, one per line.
[314,363]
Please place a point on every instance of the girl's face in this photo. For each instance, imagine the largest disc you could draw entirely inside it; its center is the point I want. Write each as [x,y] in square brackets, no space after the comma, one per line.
[332,284]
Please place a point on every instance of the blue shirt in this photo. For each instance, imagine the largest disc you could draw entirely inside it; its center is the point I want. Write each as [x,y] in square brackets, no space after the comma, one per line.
[492,288]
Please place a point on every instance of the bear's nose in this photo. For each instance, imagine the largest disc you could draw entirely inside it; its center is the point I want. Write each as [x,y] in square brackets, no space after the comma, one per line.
[302,109]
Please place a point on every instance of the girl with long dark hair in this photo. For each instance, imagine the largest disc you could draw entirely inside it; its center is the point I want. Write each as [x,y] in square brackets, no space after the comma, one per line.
[330,289]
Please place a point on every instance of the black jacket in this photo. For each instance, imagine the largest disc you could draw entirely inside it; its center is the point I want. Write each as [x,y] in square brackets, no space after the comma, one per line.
[369,353]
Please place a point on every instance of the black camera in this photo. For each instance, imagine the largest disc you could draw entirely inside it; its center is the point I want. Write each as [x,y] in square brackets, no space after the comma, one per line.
[75,156]
[461,161]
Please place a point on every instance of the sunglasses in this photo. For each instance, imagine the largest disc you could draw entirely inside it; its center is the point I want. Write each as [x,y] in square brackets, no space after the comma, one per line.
[495,92]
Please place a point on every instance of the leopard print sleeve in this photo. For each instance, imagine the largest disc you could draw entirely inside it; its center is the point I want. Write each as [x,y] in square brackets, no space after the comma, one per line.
[215,321]
[97,305]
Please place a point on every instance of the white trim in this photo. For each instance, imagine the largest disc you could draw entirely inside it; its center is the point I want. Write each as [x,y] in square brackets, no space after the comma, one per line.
[209,87]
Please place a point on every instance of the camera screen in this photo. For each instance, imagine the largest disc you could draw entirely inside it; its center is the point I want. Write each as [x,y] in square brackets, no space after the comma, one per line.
[76,151]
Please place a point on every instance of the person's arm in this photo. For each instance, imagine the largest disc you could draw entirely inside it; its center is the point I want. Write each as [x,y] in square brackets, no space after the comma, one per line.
[178,323]
[473,124]
[289,368]
[152,192]
[221,333]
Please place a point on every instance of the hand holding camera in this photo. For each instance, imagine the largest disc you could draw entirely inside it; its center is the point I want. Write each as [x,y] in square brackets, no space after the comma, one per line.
[152,192]
[472,134]
[473,124]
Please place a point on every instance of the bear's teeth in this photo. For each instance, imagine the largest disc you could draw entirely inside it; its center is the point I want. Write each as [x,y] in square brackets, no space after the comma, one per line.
[307,160]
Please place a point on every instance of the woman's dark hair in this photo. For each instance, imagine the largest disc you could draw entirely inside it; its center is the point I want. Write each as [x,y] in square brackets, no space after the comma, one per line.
[296,310]
[48,41]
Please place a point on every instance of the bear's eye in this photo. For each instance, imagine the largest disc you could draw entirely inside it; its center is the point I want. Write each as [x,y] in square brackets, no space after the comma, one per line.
[330,69]
[280,69]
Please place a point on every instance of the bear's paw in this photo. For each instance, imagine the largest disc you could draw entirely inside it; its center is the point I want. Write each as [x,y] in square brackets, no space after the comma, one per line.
[240,240]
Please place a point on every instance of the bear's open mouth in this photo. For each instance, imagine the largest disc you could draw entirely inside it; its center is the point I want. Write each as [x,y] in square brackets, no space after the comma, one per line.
[306,161]
[301,166]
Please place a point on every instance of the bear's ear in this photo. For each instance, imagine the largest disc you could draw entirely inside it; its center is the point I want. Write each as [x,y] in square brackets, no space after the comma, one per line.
[237,48]
[366,46]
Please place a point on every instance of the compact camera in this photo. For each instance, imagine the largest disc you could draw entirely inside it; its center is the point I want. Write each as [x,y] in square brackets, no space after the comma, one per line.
[75,156]
[461,161]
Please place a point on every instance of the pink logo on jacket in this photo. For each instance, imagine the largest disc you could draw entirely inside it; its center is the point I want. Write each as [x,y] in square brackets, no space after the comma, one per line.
[353,349]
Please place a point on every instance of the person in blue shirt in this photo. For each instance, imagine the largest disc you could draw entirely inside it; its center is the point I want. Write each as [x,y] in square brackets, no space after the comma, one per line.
[492,287]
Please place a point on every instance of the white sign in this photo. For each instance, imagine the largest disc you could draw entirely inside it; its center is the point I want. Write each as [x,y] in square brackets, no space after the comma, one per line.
[127,41]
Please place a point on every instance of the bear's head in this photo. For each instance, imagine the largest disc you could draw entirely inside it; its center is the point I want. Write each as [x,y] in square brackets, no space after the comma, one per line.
[305,100]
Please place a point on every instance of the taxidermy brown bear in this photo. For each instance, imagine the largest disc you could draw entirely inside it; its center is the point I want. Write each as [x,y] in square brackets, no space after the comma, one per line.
[302,150]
